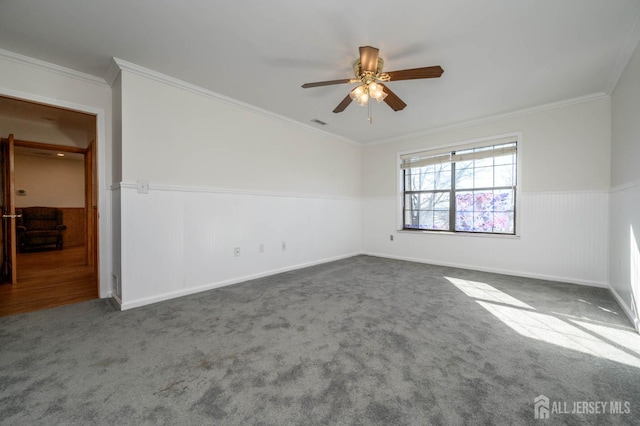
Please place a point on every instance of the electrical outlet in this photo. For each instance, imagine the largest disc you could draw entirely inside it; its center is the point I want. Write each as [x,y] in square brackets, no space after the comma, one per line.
[284,245]
[236,251]
[391,237]
[261,248]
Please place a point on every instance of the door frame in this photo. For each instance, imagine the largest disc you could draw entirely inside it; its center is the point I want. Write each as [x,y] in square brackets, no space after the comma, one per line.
[9,232]
[103,214]
[89,192]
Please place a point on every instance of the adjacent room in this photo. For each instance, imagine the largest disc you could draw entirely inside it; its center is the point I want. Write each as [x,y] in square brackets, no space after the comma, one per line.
[49,185]
[331,213]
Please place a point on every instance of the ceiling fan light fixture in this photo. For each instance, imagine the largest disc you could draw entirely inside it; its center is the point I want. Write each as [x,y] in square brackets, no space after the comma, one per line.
[369,75]
[376,92]
[360,94]
[381,97]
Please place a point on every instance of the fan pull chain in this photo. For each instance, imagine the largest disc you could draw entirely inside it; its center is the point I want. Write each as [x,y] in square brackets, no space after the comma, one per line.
[370,114]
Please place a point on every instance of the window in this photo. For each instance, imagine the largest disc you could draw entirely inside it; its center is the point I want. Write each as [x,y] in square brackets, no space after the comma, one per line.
[471,188]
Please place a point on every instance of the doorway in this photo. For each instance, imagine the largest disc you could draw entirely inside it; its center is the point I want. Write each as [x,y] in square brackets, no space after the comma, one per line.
[55,168]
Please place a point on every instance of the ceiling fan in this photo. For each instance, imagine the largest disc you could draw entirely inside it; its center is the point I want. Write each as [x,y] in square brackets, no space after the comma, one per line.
[368,71]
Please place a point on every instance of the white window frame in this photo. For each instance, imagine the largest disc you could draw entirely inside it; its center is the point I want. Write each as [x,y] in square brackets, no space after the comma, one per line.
[458,146]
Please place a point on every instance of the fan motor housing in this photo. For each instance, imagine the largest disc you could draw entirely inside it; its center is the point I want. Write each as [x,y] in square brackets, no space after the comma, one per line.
[367,77]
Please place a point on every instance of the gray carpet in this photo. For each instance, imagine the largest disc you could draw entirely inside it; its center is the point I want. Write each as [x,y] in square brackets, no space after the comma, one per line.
[359,341]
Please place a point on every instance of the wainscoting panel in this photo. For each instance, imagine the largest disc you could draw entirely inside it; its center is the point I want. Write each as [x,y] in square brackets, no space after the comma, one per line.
[624,259]
[562,236]
[75,219]
[177,241]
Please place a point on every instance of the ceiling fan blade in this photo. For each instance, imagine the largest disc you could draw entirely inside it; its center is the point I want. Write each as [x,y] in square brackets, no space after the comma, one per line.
[343,105]
[326,83]
[393,100]
[415,73]
[369,58]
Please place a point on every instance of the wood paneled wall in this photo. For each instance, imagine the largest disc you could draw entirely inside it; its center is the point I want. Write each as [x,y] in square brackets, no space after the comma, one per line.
[74,218]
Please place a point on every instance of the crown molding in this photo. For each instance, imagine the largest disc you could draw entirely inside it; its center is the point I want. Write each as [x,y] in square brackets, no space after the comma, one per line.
[112,73]
[123,65]
[488,119]
[624,57]
[66,72]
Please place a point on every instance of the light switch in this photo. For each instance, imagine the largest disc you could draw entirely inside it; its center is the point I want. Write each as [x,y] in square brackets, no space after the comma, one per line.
[143,187]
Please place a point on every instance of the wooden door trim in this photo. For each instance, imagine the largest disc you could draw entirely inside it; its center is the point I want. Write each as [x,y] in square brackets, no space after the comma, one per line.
[9,209]
[48,146]
[91,207]
[12,211]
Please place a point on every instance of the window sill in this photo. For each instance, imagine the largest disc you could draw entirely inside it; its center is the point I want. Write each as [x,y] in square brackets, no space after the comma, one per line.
[460,234]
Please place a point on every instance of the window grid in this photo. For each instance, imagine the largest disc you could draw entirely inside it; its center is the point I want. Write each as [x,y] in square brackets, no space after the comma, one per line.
[481,194]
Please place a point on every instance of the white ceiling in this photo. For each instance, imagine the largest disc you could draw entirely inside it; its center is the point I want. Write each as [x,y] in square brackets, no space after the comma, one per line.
[16,114]
[31,111]
[498,55]
[48,154]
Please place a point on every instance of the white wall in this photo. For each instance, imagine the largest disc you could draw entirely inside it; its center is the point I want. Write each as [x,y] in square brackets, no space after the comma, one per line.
[222,176]
[174,136]
[116,169]
[563,201]
[49,181]
[33,80]
[624,259]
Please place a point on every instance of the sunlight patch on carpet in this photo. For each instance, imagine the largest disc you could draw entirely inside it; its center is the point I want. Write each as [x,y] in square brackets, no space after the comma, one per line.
[579,334]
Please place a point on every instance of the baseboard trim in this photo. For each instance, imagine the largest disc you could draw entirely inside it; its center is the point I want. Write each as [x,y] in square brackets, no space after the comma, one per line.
[115,301]
[625,308]
[493,270]
[185,292]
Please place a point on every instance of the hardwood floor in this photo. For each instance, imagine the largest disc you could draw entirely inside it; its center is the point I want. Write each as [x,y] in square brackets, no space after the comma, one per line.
[47,279]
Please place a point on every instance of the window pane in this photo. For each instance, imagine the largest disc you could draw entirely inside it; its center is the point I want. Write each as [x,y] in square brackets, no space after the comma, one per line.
[441,201]
[483,177]
[484,162]
[504,175]
[418,178]
[412,180]
[484,211]
[483,221]
[464,174]
[411,219]
[442,176]
[426,201]
[484,201]
[503,200]
[443,180]
[427,182]
[427,210]
[464,221]
[505,159]
[441,220]
[411,201]
[464,201]
[426,220]
[503,223]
